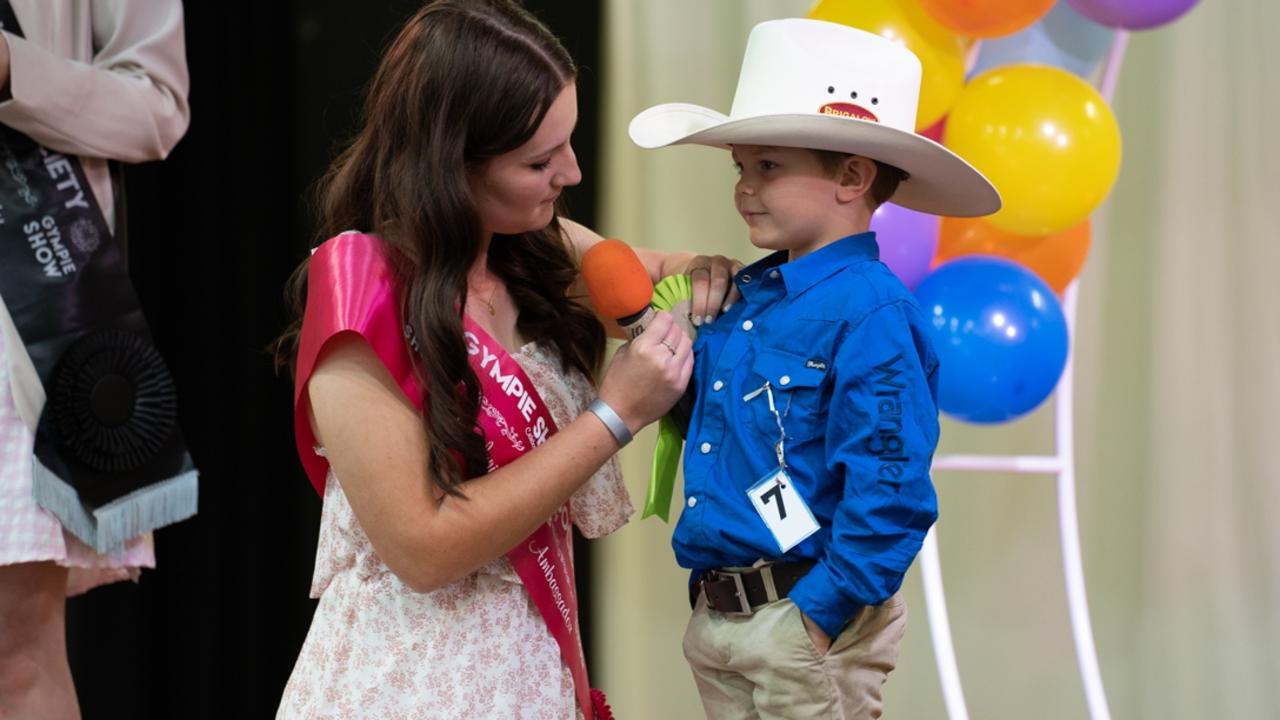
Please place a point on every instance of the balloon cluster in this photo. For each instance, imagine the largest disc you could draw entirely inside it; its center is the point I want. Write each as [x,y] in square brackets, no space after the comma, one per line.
[1025,114]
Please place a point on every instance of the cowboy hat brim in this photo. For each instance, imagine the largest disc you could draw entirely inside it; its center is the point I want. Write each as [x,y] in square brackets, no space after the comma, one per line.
[939,181]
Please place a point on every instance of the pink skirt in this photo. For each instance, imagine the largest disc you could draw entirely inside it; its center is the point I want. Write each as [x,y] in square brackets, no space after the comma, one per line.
[28,533]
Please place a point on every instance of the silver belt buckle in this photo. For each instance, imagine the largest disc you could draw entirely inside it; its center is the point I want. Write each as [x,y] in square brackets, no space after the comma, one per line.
[740,593]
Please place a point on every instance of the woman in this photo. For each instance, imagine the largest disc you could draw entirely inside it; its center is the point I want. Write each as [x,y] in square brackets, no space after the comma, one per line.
[123,67]
[450,341]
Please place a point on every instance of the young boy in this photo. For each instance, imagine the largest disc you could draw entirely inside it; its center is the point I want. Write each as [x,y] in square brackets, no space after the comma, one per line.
[807,458]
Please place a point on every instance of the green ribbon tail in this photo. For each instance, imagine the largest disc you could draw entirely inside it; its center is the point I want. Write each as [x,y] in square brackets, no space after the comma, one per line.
[669,293]
[662,476]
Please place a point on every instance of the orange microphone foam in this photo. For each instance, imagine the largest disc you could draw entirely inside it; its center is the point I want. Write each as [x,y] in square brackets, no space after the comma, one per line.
[619,285]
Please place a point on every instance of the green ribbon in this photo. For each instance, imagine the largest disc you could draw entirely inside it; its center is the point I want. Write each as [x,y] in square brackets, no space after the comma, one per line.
[668,294]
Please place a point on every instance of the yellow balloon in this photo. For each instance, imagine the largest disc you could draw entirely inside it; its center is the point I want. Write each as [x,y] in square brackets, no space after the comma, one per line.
[1045,138]
[941,51]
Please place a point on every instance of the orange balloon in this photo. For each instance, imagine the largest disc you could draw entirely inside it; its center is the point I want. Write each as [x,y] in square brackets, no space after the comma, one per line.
[1057,258]
[986,18]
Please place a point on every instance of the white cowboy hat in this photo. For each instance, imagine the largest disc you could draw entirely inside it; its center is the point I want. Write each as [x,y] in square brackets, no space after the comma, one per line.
[825,86]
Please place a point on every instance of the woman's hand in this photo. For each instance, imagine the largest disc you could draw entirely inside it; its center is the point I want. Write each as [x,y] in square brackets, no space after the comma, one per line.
[713,288]
[649,374]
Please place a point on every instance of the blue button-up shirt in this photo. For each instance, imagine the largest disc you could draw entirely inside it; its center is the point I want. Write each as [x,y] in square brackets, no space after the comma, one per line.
[843,346]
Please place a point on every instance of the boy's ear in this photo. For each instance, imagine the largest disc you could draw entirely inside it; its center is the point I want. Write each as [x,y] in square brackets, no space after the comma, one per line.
[857,173]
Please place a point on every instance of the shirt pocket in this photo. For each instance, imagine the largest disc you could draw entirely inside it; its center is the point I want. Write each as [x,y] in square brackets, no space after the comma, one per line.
[796,385]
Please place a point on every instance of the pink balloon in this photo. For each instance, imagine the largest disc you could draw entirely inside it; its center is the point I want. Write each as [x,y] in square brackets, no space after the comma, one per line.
[934,131]
[907,241]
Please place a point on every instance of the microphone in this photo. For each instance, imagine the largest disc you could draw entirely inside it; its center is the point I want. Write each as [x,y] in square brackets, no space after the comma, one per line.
[619,286]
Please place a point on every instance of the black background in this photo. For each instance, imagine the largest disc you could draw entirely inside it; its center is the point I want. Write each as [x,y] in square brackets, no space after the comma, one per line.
[214,231]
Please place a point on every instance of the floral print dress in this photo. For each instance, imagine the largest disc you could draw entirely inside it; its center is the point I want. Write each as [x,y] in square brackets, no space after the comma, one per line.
[477,648]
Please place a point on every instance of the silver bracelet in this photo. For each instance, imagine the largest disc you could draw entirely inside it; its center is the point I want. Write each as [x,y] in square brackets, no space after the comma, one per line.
[611,420]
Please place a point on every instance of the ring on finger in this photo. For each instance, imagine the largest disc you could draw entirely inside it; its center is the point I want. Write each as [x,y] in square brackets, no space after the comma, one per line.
[668,346]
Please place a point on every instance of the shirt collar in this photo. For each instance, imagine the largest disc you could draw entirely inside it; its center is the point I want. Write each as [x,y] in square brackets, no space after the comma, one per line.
[802,274]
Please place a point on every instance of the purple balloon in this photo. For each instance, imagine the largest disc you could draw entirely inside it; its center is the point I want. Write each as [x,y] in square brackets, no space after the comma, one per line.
[907,241]
[1132,14]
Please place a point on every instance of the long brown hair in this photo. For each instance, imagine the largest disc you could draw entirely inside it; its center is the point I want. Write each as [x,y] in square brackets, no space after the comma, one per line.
[463,82]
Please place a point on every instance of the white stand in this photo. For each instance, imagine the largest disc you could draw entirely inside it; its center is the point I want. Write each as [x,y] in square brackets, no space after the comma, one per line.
[1062,464]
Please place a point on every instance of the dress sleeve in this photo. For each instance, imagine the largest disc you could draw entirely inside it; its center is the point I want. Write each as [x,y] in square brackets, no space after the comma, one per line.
[602,505]
[349,290]
[128,104]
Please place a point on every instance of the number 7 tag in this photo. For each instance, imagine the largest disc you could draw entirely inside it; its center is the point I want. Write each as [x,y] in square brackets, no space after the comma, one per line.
[782,509]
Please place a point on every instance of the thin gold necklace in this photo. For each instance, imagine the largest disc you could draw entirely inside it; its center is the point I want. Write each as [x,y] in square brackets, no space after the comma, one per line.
[489,302]
[492,311]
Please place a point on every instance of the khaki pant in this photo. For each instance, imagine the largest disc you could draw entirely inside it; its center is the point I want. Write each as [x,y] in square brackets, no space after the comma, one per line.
[765,666]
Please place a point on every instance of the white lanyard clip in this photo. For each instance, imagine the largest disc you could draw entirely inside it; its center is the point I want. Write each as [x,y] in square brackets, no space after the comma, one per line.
[782,433]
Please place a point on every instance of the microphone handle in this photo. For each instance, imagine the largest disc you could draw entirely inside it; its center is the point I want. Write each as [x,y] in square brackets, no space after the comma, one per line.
[635,323]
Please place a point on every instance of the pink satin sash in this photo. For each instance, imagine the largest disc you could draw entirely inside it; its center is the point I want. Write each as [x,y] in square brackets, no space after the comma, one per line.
[350,289]
[515,421]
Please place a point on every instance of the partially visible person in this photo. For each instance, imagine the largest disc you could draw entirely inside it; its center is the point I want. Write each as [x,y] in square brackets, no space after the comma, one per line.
[807,460]
[445,405]
[95,81]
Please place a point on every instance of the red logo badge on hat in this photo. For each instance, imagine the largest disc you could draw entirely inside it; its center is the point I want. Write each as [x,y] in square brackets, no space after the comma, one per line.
[849,110]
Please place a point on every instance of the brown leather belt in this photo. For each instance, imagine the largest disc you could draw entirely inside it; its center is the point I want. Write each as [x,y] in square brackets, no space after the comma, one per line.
[741,592]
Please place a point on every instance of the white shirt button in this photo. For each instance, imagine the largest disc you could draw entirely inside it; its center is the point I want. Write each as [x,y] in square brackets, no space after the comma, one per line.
[693,501]
[717,385]
[773,274]
[705,448]
[747,325]
[784,380]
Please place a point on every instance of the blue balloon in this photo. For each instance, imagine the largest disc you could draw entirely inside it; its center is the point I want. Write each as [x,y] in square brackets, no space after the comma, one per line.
[1062,38]
[1000,335]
